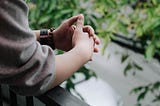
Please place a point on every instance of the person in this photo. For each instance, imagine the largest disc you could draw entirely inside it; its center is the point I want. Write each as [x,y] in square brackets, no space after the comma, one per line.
[31,68]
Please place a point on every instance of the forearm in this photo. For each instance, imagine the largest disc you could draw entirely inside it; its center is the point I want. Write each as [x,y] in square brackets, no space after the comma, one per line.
[68,63]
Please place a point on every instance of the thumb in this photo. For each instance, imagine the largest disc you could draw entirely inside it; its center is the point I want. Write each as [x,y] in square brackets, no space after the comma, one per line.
[80,22]
[72,20]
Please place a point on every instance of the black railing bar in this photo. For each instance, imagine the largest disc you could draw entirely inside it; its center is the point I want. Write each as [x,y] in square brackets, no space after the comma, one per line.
[29,101]
[13,98]
[50,104]
[62,97]
[125,38]
[132,47]
[47,100]
[5,99]
[1,101]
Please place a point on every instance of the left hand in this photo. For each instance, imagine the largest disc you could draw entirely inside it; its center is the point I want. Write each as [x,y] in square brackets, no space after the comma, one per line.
[63,34]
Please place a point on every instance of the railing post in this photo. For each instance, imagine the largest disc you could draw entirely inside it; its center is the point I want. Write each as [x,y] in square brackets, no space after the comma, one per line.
[1,101]
[51,104]
[29,101]
[13,98]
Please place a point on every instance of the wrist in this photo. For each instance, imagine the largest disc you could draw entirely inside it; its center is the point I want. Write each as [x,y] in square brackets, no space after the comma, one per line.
[47,37]
[54,34]
[84,53]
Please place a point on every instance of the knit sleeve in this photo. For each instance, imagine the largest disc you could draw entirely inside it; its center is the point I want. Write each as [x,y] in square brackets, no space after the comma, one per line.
[25,65]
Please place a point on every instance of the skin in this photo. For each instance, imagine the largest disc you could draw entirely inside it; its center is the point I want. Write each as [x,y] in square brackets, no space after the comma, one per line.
[79,43]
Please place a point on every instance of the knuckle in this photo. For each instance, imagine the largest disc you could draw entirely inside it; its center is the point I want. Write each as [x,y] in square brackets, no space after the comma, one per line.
[88,26]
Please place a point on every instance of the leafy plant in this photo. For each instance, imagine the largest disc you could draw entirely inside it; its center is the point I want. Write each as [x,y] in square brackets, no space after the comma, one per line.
[153,88]
[138,20]
[132,66]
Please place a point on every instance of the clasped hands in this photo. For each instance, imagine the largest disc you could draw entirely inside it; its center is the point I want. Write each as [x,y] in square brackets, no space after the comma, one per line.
[72,32]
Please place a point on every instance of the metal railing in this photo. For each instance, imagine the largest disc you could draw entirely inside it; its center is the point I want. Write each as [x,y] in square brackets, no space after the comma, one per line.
[55,97]
[131,44]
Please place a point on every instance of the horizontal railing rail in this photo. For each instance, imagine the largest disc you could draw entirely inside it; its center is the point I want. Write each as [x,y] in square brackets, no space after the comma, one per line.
[61,97]
[58,96]
[131,45]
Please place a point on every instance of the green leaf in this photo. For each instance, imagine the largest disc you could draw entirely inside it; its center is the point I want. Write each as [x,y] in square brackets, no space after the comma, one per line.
[136,90]
[150,51]
[138,67]
[107,39]
[44,19]
[124,58]
[94,74]
[142,95]
[66,11]
[111,27]
[70,85]
[154,2]
[158,44]
[138,104]
[73,76]
[52,6]
[127,68]
[157,99]
[156,85]
[139,31]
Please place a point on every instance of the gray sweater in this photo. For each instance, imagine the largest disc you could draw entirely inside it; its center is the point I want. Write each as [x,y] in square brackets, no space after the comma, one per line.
[25,65]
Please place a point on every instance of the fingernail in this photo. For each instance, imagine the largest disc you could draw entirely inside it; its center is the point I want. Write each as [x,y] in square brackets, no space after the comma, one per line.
[80,17]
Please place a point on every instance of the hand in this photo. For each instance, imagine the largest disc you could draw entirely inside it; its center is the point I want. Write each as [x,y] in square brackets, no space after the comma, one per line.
[91,33]
[63,34]
[82,40]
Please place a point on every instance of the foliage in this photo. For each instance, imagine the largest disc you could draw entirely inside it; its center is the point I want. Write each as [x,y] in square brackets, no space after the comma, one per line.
[137,19]
[153,88]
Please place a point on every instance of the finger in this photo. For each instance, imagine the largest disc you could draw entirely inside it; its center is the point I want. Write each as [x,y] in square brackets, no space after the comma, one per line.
[89,30]
[96,39]
[72,20]
[80,22]
[73,27]
[96,50]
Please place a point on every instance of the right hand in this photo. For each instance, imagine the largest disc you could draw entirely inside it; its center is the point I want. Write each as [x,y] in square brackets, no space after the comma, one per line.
[82,40]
